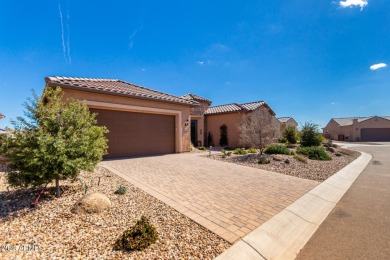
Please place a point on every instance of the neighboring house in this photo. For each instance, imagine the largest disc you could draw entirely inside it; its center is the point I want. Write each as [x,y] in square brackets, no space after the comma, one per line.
[143,121]
[231,116]
[373,128]
[1,116]
[286,121]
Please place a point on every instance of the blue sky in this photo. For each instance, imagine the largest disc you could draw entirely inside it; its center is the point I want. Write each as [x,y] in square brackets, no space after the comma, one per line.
[307,59]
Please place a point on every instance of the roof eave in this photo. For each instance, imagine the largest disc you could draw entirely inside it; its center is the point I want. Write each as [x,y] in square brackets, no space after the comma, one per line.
[66,86]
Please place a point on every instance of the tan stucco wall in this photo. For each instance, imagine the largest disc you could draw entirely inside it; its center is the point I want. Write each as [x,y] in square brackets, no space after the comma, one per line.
[334,130]
[231,120]
[375,122]
[175,108]
[353,132]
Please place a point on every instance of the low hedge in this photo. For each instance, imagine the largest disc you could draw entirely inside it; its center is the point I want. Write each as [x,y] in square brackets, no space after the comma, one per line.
[277,149]
[314,153]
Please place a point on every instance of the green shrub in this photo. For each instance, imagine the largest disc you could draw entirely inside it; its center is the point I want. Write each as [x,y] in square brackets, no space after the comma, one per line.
[240,151]
[263,160]
[291,134]
[138,237]
[202,148]
[53,142]
[310,135]
[225,153]
[121,190]
[252,150]
[282,140]
[314,153]
[276,149]
[300,158]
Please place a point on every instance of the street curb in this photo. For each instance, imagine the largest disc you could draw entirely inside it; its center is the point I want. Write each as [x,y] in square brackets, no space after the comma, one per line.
[285,234]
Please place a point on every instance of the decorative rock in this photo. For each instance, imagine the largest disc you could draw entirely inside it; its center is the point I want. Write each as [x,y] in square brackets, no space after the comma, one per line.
[92,203]
[277,158]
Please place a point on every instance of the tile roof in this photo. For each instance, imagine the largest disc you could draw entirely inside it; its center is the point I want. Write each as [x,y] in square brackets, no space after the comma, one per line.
[235,107]
[117,87]
[190,96]
[284,119]
[349,120]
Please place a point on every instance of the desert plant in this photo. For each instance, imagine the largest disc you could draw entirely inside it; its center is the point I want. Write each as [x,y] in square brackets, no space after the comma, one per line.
[338,154]
[202,148]
[290,133]
[314,153]
[57,139]
[138,237]
[263,160]
[84,186]
[310,135]
[257,129]
[240,151]
[300,158]
[121,190]
[252,150]
[282,140]
[226,153]
[276,149]
[223,141]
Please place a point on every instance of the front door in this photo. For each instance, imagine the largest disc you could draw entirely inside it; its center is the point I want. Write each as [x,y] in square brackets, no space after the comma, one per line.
[194,132]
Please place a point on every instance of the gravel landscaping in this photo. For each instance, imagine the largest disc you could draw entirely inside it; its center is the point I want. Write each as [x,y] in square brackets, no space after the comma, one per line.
[52,231]
[312,170]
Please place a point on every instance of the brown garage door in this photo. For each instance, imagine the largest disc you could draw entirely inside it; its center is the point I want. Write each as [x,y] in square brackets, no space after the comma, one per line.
[137,134]
[375,134]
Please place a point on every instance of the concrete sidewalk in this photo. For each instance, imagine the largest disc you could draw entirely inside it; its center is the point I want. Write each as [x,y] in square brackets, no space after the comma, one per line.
[359,226]
[284,235]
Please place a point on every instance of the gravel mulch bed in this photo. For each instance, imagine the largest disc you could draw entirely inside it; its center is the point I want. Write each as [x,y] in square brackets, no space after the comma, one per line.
[313,170]
[51,231]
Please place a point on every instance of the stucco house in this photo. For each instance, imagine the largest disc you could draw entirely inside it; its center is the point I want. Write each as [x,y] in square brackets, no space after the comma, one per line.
[231,116]
[143,121]
[373,128]
[287,121]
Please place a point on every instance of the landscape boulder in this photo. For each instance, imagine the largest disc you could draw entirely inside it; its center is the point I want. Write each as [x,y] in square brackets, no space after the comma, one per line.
[95,202]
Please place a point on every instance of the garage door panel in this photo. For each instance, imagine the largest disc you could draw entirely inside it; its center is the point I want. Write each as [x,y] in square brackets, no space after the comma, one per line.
[137,134]
[375,134]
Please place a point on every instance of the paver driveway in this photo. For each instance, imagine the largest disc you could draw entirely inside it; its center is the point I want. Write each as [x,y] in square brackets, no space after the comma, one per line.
[228,199]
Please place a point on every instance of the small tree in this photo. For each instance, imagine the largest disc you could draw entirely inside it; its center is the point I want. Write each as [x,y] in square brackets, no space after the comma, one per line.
[310,135]
[55,142]
[291,134]
[223,141]
[210,140]
[257,130]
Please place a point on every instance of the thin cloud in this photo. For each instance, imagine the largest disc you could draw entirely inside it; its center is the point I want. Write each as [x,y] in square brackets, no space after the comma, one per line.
[378,66]
[353,3]
[200,62]
[132,36]
[65,46]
